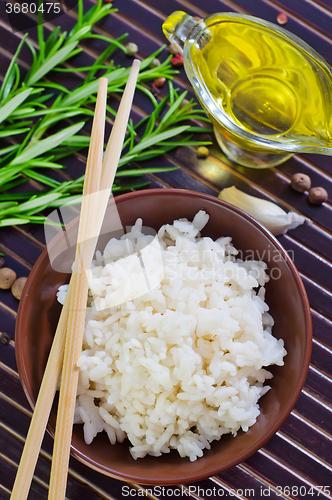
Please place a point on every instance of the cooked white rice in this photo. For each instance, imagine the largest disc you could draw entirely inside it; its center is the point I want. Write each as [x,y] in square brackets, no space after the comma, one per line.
[179,361]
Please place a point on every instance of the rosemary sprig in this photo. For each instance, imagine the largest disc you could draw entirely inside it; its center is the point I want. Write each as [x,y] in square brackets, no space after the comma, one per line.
[33,107]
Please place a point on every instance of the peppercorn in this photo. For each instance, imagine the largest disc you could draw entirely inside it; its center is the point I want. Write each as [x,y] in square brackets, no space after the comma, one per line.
[202,152]
[5,338]
[7,278]
[2,262]
[18,286]
[317,195]
[177,61]
[132,49]
[159,82]
[282,18]
[154,63]
[301,182]
[173,50]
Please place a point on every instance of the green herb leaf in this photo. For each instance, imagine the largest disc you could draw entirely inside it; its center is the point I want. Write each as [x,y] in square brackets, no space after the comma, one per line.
[14,103]
[173,109]
[11,73]
[154,139]
[5,206]
[143,171]
[46,144]
[4,151]
[38,202]
[13,222]
[9,133]
[92,88]
[58,58]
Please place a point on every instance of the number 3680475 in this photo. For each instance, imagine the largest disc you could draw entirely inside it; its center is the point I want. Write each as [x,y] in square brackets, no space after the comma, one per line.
[32,8]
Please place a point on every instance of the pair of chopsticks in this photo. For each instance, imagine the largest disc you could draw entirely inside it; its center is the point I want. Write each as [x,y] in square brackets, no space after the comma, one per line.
[67,343]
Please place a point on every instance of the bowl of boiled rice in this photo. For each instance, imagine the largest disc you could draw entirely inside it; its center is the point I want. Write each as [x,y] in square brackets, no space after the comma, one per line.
[197,337]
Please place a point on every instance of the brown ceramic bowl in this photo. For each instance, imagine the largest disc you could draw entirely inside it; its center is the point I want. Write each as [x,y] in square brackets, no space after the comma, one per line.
[39,311]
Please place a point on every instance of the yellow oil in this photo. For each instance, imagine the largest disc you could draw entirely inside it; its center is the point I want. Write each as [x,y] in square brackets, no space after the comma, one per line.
[262,82]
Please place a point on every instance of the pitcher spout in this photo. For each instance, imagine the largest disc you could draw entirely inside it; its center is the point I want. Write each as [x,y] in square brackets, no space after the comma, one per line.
[177,27]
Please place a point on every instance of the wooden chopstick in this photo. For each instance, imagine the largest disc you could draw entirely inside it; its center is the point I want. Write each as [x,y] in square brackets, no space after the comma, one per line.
[78,298]
[76,317]
[51,375]
[53,368]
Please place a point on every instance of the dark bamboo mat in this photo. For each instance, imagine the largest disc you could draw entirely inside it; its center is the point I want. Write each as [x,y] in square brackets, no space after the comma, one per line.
[296,462]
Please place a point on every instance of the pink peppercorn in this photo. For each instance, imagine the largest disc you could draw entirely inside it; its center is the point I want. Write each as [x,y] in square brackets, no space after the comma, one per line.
[177,61]
[282,18]
[159,82]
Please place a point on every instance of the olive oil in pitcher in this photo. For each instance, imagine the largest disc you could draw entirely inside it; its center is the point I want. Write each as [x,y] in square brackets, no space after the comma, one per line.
[266,91]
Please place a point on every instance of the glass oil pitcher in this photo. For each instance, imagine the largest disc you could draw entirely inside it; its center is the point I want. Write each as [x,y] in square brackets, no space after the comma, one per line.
[267,92]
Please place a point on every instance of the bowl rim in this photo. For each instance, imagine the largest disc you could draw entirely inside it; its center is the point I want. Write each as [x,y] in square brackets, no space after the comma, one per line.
[286,410]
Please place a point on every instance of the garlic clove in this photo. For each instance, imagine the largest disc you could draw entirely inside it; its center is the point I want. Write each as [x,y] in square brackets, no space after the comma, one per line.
[274,218]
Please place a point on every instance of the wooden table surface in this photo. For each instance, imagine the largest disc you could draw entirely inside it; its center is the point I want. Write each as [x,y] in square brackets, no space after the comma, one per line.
[296,462]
